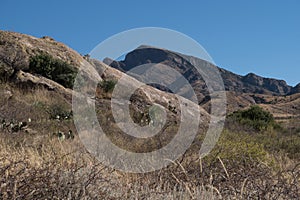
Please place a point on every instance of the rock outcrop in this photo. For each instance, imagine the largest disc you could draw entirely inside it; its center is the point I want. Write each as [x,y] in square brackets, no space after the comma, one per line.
[16,50]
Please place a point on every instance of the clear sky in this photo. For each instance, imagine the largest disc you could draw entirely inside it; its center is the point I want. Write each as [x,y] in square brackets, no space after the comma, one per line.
[242,36]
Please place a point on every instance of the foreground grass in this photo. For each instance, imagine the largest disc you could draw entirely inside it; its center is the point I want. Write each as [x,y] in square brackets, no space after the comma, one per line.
[51,169]
[64,170]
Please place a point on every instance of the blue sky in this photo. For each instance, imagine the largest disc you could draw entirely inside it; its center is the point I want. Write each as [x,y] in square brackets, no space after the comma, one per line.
[242,36]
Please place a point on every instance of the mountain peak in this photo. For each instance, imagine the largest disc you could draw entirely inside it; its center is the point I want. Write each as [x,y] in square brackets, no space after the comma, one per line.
[144,46]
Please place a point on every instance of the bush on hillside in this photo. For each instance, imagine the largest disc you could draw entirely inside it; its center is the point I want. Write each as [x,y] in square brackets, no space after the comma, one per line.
[108,85]
[255,117]
[59,112]
[54,69]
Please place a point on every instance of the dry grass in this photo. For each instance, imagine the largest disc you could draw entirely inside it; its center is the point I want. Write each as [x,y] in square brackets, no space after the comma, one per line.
[64,170]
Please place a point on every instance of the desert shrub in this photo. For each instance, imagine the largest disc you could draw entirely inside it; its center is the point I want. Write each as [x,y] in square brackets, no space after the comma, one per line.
[278,142]
[255,117]
[59,112]
[54,69]
[108,85]
[5,72]
[291,146]
[239,147]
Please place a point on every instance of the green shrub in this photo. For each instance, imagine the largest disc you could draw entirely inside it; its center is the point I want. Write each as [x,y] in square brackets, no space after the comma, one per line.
[255,117]
[108,85]
[54,69]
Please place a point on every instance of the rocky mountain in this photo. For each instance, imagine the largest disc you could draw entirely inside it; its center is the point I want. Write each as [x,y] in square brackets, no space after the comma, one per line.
[295,89]
[249,83]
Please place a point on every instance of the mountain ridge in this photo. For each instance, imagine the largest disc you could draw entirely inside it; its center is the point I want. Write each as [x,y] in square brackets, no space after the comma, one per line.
[249,83]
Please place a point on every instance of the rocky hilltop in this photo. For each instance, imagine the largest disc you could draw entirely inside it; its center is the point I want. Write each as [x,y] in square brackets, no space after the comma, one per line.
[36,79]
[16,50]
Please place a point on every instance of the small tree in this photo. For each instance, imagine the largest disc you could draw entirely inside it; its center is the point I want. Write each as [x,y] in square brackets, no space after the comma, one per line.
[255,117]
[54,69]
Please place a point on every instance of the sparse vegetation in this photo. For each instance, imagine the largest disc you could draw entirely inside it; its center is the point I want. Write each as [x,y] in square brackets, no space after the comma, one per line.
[278,141]
[59,112]
[54,69]
[237,147]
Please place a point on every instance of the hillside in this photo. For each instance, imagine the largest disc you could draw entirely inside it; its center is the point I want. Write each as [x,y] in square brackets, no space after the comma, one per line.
[47,94]
[43,153]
